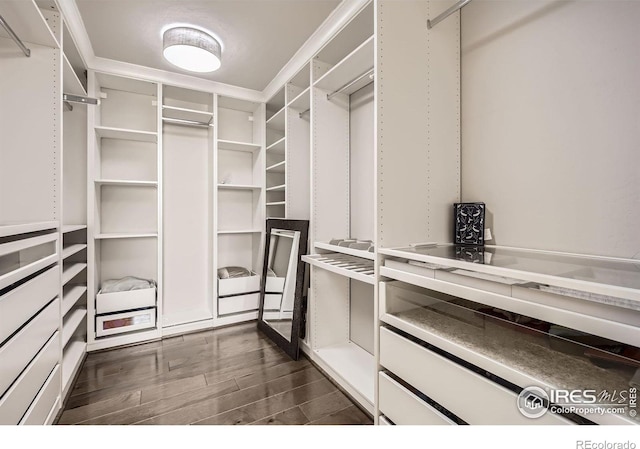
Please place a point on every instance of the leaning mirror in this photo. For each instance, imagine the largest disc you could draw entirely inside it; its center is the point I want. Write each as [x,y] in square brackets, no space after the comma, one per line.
[280,314]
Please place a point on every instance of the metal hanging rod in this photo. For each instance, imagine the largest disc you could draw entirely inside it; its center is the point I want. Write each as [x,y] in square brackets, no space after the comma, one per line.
[447,13]
[368,73]
[304,112]
[68,106]
[15,37]
[78,99]
[179,121]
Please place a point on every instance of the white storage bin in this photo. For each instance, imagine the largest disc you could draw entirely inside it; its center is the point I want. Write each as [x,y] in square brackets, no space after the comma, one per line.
[238,286]
[238,304]
[129,300]
[125,322]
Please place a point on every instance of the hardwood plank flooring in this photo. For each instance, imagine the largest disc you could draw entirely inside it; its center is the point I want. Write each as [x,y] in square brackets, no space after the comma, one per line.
[227,376]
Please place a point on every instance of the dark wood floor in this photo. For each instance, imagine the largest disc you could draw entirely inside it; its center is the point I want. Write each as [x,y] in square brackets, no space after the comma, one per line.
[233,375]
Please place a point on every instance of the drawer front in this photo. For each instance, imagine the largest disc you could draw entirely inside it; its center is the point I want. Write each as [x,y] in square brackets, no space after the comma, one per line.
[18,352]
[125,322]
[16,402]
[19,305]
[237,286]
[473,398]
[238,304]
[383,421]
[120,301]
[43,409]
[403,407]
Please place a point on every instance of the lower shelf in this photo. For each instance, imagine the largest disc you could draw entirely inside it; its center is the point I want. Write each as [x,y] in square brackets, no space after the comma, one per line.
[355,365]
[73,355]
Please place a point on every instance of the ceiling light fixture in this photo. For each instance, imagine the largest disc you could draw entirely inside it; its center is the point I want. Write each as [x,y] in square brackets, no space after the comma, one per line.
[191,49]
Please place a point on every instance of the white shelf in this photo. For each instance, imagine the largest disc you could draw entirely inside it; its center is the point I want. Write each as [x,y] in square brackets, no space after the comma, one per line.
[71,297]
[277,203]
[186,114]
[302,102]
[238,187]
[10,229]
[599,275]
[124,235]
[277,168]
[278,147]
[71,360]
[70,250]
[124,182]
[279,188]
[344,250]
[70,82]
[72,228]
[355,365]
[241,231]
[106,132]
[72,270]
[277,121]
[71,325]
[344,265]
[231,145]
[27,22]
[351,67]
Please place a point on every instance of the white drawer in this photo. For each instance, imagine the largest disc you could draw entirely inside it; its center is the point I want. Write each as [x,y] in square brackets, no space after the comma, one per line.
[236,286]
[238,304]
[129,300]
[472,397]
[20,304]
[43,408]
[16,402]
[403,407]
[125,322]
[23,257]
[18,352]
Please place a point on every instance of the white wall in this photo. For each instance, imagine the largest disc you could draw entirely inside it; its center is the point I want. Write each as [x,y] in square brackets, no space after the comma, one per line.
[551,122]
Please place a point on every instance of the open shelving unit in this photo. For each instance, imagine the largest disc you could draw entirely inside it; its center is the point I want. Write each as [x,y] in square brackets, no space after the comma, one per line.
[240,205]
[125,203]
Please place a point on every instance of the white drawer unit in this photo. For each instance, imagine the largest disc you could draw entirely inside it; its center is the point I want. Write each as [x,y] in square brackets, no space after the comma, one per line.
[20,258]
[20,304]
[129,300]
[16,401]
[118,323]
[238,286]
[44,406]
[18,352]
[404,407]
[238,304]
[474,398]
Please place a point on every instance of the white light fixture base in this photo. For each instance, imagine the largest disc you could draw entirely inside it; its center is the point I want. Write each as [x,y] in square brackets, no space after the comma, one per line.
[191,49]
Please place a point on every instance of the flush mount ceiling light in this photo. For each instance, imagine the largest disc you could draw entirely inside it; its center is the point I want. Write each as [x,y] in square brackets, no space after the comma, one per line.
[191,49]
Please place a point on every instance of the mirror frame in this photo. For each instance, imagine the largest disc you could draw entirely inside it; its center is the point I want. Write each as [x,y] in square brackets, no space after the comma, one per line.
[290,347]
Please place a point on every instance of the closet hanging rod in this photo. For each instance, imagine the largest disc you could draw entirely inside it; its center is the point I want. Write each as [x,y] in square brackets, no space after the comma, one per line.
[179,121]
[15,37]
[304,112]
[447,13]
[350,83]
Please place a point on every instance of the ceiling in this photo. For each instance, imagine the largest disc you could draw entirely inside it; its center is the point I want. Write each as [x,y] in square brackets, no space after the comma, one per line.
[258,36]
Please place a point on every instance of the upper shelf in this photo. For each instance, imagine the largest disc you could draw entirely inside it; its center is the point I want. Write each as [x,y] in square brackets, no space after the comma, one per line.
[70,81]
[238,146]
[277,122]
[277,168]
[278,146]
[345,250]
[107,132]
[26,20]
[618,278]
[302,102]
[355,64]
[10,229]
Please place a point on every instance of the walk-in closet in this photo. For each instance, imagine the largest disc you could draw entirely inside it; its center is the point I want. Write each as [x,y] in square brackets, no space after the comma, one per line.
[385,212]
